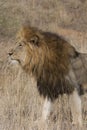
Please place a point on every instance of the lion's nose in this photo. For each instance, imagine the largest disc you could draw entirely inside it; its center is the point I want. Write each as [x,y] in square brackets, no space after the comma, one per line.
[10,53]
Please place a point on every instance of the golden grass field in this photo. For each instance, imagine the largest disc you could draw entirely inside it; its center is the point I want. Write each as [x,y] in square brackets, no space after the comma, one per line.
[20,103]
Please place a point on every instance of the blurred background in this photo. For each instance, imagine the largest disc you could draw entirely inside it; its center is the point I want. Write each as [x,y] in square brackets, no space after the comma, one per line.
[64,13]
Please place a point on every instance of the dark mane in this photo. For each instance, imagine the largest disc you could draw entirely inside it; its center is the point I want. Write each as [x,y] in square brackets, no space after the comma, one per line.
[50,63]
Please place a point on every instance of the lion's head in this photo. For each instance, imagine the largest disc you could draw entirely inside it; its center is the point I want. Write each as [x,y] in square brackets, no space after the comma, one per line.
[30,50]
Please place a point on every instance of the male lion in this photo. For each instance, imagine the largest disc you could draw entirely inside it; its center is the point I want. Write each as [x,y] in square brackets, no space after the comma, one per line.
[48,57]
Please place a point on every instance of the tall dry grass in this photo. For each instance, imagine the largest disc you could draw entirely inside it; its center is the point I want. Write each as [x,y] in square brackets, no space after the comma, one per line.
[21,105]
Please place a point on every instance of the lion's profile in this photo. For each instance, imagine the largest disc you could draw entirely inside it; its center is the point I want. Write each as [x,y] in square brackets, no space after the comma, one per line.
[47,56]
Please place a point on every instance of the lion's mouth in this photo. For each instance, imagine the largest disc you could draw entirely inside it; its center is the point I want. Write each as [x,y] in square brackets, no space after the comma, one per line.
[13,61]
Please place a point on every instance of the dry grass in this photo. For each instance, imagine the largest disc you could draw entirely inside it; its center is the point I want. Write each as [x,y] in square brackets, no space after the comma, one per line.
[20,103]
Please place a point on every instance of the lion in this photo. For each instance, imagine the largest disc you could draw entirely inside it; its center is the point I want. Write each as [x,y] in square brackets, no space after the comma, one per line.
[47,57]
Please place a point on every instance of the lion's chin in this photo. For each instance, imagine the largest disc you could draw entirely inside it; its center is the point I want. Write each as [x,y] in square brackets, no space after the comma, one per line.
[13,61]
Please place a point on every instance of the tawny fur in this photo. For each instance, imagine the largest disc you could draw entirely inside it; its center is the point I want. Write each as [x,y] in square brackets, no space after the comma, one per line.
[47,56]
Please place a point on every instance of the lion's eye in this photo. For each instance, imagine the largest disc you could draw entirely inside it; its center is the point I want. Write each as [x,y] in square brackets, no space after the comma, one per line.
[20,44]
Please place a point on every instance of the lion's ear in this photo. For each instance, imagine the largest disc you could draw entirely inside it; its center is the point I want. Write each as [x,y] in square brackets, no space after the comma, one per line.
[34,40]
